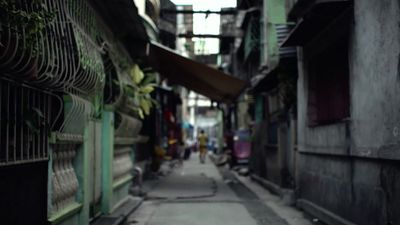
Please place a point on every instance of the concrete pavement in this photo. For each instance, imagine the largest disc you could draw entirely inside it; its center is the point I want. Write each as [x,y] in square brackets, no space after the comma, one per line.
[200,194]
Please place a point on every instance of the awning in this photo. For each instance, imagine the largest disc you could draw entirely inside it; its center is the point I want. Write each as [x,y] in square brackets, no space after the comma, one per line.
[195,76]
[320,15]
[269,80]
[265,82]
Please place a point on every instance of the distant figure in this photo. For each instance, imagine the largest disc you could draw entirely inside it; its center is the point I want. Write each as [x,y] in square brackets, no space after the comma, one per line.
[203,139]
[180,151]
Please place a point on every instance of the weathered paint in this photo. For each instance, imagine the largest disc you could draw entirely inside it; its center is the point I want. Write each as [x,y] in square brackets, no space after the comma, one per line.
[120,195]
[107,159]
[83,175]
[273,13]
[78,212]
[271,160]
[67,214]
[356,162]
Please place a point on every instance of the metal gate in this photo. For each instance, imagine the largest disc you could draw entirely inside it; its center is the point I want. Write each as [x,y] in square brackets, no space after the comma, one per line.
[25,121]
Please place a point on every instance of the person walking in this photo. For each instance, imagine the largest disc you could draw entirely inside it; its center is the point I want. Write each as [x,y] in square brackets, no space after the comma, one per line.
[203,139]
[181,151]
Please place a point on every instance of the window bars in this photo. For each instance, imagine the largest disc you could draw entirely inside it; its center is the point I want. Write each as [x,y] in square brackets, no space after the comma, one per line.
[113,87]
[77,113]
[25,119]
[86,35]
[63,56]
[116,65]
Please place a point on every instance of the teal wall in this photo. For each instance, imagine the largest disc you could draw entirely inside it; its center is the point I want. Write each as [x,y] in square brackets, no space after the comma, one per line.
[273,13]
[259,109]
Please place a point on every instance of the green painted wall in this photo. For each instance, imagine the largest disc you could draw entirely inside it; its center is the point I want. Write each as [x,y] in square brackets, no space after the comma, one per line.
[107,159]
[273,13]
[83,176]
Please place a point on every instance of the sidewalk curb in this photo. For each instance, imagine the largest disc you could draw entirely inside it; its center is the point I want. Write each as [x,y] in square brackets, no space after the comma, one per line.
[273,188]
[121,214]
[319,212]
[286,194]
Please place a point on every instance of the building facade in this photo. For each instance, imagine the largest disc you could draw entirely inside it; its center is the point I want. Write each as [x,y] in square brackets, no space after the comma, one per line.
[272,73]
[69,121]
[348,110]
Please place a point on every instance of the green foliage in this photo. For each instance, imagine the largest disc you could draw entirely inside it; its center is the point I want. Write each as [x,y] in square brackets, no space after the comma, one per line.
[26,24]
[89,57]
[140,91]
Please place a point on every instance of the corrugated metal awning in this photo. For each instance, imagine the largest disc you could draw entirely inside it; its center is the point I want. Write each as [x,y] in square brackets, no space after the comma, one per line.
[195,76]
[282,30]
[320,15]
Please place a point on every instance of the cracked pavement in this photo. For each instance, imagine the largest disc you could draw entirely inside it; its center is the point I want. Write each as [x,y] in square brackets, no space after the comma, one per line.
[202,194]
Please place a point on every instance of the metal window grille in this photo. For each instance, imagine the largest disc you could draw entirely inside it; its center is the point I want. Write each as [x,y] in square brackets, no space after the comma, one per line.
[77,113]
[25,120]
[111,90]
[64,56]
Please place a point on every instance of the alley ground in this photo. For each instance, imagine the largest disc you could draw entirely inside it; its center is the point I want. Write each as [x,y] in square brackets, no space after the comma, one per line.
[202,194]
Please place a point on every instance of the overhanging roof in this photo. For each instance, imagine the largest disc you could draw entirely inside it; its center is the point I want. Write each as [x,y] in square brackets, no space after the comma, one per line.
[269,80]
[195,76]
[319,16]
[265,82]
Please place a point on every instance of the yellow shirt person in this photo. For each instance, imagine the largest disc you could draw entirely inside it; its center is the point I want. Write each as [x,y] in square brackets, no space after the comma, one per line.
[203,139]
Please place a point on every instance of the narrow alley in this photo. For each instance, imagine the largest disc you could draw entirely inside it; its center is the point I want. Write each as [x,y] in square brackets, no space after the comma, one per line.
[109,108]
[203,194]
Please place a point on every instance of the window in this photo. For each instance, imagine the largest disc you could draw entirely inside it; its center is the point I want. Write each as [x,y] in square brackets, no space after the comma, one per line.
[328,96]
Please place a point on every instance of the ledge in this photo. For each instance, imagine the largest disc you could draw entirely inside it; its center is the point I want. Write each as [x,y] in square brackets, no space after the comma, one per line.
[120,182]
[130,141]
[274,188]
[386,152]
[121,213]
[124,141]
[64,138]
[64,214]
[321,213]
